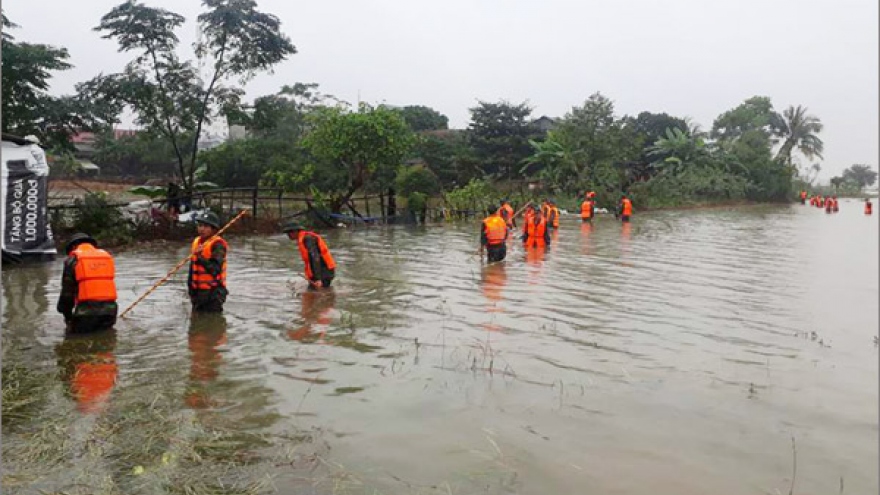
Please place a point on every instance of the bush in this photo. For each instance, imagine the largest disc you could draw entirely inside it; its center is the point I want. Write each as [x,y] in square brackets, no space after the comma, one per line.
[416,178]
[96,217]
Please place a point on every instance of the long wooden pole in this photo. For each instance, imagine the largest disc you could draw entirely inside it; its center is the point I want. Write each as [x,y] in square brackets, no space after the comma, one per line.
[179,265]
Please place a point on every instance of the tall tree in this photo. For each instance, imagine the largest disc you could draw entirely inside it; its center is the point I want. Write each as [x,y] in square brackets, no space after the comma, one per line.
[167,94]
[799,130]
[862,175]
[754,114]
[28,108]
[499,135]
[422,118]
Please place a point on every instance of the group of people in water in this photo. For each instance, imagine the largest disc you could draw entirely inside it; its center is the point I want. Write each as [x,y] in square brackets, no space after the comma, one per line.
[88,298]
[538,221]
[830,202]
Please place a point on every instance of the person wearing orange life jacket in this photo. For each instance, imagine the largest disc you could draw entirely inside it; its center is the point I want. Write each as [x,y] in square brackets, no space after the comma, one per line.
[869,208]
[88,286]
[552,215]
[803,197]
[528,216]
[319,264]
[536,232]
[507,213]
[588,208]
[87,366]
[493,236]
[545,208]
[625,208]
[207,267]
[835,206]
[829,205]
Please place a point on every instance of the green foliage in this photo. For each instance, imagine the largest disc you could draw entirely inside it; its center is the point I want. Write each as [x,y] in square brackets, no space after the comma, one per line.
[141,155]
[166,94]
[799,130]
[691,186]
[420,118]
[367,145]
[416,178]
[416,201]
[755,114]
[476,194]
[499,135]
[860,175]
[28,108]
[447,154]
[95,216]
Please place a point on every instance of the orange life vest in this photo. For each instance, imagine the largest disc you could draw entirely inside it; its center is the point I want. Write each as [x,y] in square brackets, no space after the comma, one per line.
[496,230]
[627,207]
[587,209]
[535,231]
[868,208]
[553,216]
[528,218]
[506,212]
[304,252]
[95,273]
[803,195]
[545,210]
[201,279]
[834,205]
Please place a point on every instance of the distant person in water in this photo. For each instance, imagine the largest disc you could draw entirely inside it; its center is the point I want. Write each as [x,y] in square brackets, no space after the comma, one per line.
[869,208]
[493,236]
[625,208]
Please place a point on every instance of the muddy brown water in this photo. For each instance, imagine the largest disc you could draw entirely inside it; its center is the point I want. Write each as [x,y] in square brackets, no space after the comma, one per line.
[678,354]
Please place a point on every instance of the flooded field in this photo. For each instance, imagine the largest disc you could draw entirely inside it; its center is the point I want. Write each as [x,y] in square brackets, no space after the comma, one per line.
[723,351]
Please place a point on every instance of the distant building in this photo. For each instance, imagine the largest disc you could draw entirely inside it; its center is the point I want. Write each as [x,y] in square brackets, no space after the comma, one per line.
[545,123]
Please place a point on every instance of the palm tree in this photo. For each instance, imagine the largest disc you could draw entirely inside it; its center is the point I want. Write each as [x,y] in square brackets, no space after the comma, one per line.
[798,130]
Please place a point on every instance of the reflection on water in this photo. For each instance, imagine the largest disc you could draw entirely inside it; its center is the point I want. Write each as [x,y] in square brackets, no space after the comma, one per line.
[88,368]
[612,361]
[207,333]
[316,313]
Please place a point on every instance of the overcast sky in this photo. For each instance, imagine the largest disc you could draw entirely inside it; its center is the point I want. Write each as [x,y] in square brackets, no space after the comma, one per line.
[694,58]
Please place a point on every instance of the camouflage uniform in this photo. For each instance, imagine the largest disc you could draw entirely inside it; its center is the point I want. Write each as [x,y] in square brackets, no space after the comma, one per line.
[87,315]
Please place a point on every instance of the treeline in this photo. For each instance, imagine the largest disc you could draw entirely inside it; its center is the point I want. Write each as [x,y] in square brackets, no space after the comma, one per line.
[305,141]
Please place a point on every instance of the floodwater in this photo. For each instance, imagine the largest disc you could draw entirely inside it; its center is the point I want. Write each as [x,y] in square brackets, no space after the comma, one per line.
[723,351]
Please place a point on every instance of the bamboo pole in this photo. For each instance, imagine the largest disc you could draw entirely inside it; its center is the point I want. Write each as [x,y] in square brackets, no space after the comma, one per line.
[179,266]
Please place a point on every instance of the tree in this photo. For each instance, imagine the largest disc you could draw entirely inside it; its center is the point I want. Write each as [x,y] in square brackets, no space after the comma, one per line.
[447,155]
[361,145]
[676,150]
[416,178]
[862,175]
[167,95]
[599,144]
[142,154]
[28,108]
[499,135]
[755,114]
[798,130]
[421,118]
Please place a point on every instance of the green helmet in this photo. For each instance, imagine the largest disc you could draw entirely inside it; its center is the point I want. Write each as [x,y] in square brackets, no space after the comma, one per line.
[291,227]
[209,218]
[78,239]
